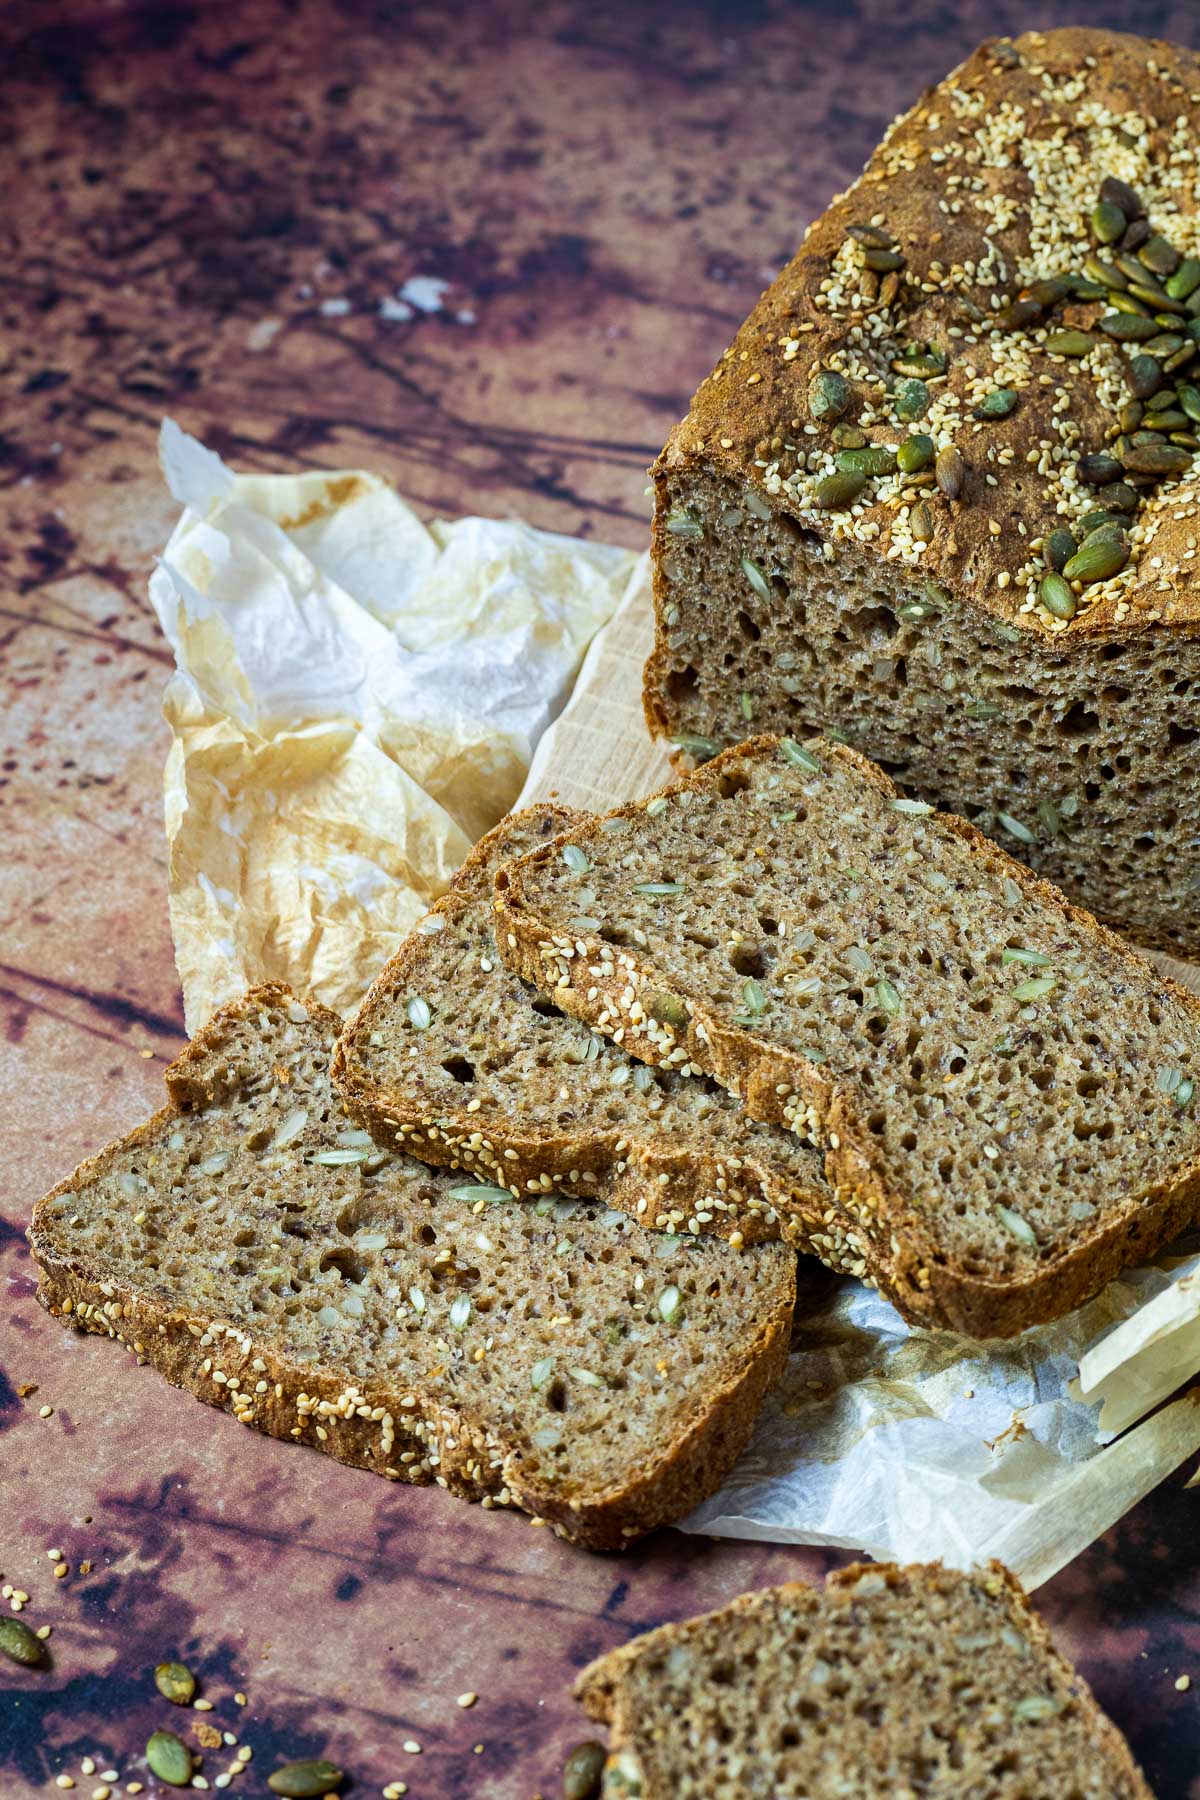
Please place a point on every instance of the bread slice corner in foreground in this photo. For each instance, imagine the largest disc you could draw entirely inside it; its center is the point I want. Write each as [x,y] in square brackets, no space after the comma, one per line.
[892,1681]
[263,1253]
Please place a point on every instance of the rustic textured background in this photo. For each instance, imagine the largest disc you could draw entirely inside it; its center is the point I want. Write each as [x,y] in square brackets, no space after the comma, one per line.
[214,210]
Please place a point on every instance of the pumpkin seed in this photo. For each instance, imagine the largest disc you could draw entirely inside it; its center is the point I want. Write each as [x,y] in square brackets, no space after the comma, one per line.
[1157,459]
[667,1009]
[835,492]
[586,1377]
[304,1780]
[997,404]
[419,1015]
[1118,497]
[1015,828]
[1018,314]
[915,453]
[1170,419]
[1189,400]
[1048,817]
[175,1682]
[888,997]
[170,1759]
[1092,520]
[1037,989]
[951,471]
[1143,374]
[919,365]
[470,1192]
[682,524]
[918,809]
[1071,343]
[1126,327]
[917,609]
[1119,193]
[700,747]
[1108,222]
[872,459]
[1033,957]
[1058,548]
[754,996]
[670,1305]
[746,706]
[1184,1092]
[921,521]
[1159,255]
[1049,291]
[584,1766]
[541,1372]
[1187,440]
[1136,235]
[1164,344]
[1036,1706]
[873,235]
[848,437]
[1056,596]
[1185,280]
[1103,274]
[19,1643]
[1101,556]
[460,1313]
[799,757]
[659,887]
[1180,358]
[911,400]
[981,709]
[1017,1227]
[882,262]
[1129,303]
[1099,469]
[1167,1080]
[756,578]
[829,395]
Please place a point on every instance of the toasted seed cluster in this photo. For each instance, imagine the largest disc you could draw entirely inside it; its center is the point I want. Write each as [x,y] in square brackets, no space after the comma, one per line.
[1017,1080]
[1010,469]
[892,1681]
[342,1296]
[494,1079]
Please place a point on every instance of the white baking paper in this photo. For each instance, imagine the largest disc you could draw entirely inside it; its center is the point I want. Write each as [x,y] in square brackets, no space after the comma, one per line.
[357,700]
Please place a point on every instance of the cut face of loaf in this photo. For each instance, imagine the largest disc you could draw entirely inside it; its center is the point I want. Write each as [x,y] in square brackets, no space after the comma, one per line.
[263,1253]
[454,1057]
[914,1681]
[876,519]
[1005,1093]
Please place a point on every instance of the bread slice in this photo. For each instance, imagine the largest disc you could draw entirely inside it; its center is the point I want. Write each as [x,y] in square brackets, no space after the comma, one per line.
[452,1056]
[1005,1092]
[892,1682]
[804,580]
[548,1354]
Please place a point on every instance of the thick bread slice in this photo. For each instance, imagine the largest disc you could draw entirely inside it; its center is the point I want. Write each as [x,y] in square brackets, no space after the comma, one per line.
[451,1055]
[1005,1092]
[261,1252]
[893,1682]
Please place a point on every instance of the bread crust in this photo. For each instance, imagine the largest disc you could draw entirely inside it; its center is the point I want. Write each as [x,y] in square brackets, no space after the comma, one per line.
[184,1345]
[629,1172]
[598,1687]
[783,1087]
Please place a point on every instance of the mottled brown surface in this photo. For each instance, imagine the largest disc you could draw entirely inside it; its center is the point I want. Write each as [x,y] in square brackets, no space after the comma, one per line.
[606,191]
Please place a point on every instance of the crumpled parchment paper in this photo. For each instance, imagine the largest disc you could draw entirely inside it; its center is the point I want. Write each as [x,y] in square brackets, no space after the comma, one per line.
[357,700]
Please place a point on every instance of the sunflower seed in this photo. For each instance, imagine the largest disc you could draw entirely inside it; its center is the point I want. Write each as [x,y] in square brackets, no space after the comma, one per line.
[951,471]
[658,887]
[981,709]
[541,1372]
[918,808]
[703,748]
[682,524]
[586,1377]
[1184,1092]
[921,523]
[419,1015]
[1033,957]
[460,1312]
[1049,818]
[888,997]
[756,578]
[1016,1226]
[670,1305]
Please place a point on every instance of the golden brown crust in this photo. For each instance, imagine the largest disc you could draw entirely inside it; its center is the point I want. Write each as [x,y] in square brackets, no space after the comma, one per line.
[783,1087]
[183,1346]
[628,1172]
[955,181]
[598,1687]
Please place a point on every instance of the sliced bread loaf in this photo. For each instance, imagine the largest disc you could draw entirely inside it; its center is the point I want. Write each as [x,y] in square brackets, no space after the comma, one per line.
[455,1057]
[893,1682]
[1005,1092]
[261,1252]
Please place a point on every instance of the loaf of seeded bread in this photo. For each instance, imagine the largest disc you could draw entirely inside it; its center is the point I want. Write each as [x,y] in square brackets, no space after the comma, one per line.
[1004,1091]
[551,1355]
[938,497]
[455,1058]
[893,1682]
